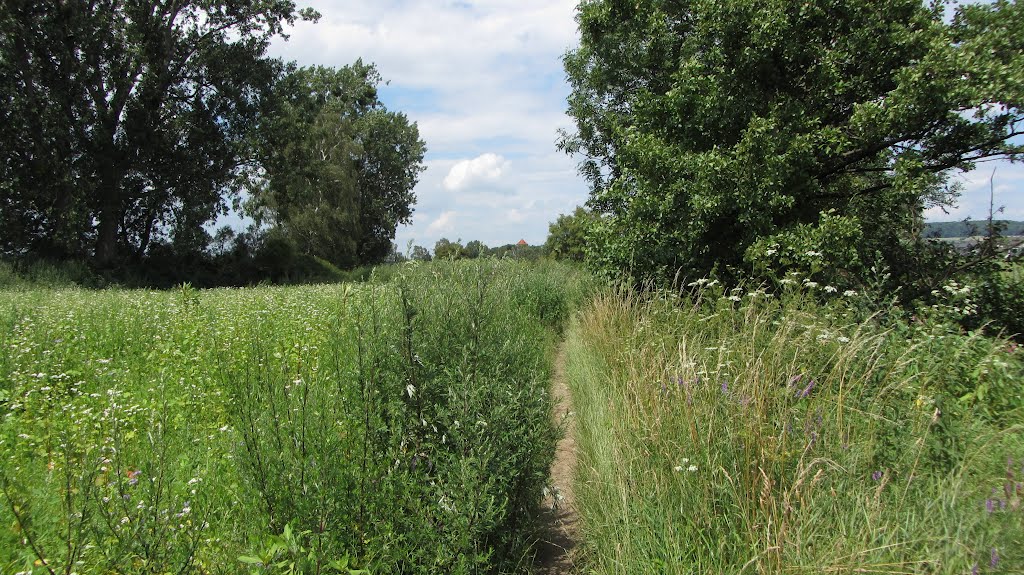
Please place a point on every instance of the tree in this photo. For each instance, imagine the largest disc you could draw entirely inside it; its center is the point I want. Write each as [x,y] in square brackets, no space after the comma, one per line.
[445,250]
[729,135]
[125,121]
[420,254]
[567,236]
[336,170]
[475,249]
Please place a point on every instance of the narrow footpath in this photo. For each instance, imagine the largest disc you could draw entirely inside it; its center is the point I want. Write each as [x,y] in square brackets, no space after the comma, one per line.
[556,554]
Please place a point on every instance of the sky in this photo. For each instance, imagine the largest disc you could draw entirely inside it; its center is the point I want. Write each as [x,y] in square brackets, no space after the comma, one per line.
[484,82]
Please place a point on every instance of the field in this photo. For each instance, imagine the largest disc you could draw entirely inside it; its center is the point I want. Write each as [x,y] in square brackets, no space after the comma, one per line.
[403,425]
[736,432]
[399,426]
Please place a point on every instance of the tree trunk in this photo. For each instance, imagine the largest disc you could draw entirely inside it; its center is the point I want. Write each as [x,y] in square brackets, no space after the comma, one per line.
[109,214]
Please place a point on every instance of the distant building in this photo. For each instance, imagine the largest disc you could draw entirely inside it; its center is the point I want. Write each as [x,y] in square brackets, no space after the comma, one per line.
[522,243]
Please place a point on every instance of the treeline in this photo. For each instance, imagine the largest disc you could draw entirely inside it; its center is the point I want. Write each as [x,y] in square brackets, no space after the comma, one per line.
[131,127]
[765,144]
[969,228]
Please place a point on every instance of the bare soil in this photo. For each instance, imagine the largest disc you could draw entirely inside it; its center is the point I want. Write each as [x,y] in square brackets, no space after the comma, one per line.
[557,552]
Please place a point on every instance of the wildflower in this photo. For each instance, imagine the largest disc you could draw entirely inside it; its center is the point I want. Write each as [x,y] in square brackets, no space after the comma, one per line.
[692,469]
[850,293]
[876,476]
[677,468]
[830,289]
[725,387]
[810,284]
[133,476]
[805,391]
[990,505]
[993,558]
[734,298]
[843,339]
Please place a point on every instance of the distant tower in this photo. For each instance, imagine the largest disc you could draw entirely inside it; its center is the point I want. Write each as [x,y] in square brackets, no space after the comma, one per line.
[522,243]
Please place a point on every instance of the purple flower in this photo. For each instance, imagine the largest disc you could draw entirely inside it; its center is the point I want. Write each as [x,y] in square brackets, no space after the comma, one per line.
[877,476]
[990,505]
[993,560]
[725,387]
[805,391]
[974,569]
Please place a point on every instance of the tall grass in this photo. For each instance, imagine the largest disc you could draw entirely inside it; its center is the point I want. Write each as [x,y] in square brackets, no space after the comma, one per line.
[736,433]
[400,426]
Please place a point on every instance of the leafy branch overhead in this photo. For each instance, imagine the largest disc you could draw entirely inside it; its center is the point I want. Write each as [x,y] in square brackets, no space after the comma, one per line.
[712,130]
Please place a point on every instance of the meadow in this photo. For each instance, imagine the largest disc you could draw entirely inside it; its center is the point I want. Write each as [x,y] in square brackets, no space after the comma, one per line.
[398,426]
[403,425]
[741,432]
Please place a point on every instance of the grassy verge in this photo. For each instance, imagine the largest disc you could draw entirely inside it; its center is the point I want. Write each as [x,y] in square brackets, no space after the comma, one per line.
[735,433]
[400,426]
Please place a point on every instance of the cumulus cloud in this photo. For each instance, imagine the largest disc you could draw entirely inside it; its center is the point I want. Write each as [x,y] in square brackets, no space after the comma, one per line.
[445,223]
[466,173]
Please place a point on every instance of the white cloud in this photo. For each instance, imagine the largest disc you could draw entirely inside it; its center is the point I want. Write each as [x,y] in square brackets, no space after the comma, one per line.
[445,223]
[983,187]
[484,82]
[484,168]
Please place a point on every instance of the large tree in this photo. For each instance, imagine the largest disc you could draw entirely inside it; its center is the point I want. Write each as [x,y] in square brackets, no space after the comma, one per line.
[336,169]
[744,133]
[124,119]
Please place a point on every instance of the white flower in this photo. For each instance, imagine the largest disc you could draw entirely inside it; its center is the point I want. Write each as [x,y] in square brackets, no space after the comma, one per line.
[843,339]
[677,468]
[810,284]
[692,468]
[849,293]
[771,252]
[830,289]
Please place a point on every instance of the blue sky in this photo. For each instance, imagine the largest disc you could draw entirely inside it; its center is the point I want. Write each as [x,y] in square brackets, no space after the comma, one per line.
[484,82]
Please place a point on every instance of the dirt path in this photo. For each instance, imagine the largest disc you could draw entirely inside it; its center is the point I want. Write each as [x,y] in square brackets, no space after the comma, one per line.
[555,556]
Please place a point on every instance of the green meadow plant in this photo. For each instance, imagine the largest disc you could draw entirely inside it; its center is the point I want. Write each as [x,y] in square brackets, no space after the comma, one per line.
[736,431]
[397,426]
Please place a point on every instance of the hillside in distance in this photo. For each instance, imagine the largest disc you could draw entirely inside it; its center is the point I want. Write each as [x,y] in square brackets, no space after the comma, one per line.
[967,228]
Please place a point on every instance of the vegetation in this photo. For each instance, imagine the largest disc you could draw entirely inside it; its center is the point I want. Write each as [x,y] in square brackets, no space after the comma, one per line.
[972,228]
[130,127]
[735,432]
[401,427]
[738,136]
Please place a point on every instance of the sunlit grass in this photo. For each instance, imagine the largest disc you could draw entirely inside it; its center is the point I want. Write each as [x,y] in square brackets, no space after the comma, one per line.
[403,424]
[758,436]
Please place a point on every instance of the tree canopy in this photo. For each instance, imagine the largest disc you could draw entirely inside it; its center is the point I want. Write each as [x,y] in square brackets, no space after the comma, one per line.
[125,121]
[129,127]
[748,135]
[336,169]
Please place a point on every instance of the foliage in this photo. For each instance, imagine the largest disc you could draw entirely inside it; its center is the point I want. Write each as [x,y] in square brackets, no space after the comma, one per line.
[403,423]
[420,254]
[711,130]
[567,236]
[733,431]
[124,122]
[336,169]
[445,249]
